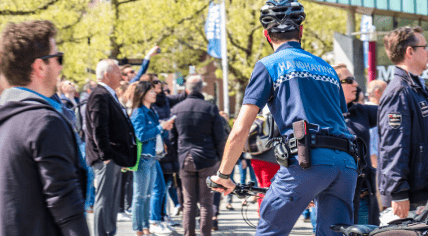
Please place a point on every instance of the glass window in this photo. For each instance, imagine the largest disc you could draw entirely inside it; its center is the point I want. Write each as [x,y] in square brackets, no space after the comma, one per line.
[424,25]
[406,22]
[383,23]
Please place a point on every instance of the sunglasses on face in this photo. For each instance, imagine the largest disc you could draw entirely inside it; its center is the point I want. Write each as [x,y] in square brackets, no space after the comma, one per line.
[156,81]
[424,47]
[59,55]
[131,72]
[349,80]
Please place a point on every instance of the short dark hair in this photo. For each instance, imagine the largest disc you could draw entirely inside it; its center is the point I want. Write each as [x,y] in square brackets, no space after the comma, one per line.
[285,36]
[122,68]
[397,41]
[20,45]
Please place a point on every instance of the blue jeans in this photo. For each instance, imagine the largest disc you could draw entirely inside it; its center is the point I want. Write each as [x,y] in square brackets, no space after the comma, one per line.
[172,193]
[330,182]
[90,189]
[313,214]
[158,193]
[144,178]
[243,172]
[306,213]
[363,213]
[229,197]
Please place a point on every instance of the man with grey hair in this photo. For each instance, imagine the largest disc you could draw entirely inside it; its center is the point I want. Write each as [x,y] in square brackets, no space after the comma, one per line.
[375,90]
[198,137]
[110,144]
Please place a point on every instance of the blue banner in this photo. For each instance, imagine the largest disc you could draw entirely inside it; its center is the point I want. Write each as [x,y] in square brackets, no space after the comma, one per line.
[213,30]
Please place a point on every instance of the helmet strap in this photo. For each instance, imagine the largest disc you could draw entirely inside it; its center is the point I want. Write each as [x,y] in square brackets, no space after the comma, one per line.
[266,33]
[300,34]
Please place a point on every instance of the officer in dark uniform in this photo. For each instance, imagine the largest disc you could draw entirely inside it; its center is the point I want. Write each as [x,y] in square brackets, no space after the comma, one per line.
[403,123]
[297,86]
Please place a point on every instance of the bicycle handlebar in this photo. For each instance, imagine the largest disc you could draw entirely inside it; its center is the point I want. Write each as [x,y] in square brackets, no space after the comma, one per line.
[241,190]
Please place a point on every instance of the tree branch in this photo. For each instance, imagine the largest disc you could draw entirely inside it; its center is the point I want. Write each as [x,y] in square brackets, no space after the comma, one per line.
[73,40]
[234,43]
[251,37]
[169,30]
[127,1]
[74,23]
[20,13]
[237,73]
[317,37]
[192,47]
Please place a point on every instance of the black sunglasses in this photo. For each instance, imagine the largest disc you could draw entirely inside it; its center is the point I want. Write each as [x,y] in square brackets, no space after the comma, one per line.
[425,47]
[60,56]
[348,80]
[156,81]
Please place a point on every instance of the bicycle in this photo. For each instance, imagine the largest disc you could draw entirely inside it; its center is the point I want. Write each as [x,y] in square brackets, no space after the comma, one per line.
[246,190]
[242,191]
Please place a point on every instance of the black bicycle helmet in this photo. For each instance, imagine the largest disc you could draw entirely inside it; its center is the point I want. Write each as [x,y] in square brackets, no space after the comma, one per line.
[282,15]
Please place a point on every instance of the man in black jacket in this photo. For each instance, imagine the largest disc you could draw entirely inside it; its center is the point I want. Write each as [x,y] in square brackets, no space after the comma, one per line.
[110,144]
[40,180]
[403,123]
[198,137]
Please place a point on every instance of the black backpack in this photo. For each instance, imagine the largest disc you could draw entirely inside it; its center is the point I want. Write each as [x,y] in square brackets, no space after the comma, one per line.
[417,226]
[402,227]
[263,129]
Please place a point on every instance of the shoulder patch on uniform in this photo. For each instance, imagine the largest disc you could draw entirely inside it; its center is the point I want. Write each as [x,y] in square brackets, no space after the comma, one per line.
[394,120]
[424,108]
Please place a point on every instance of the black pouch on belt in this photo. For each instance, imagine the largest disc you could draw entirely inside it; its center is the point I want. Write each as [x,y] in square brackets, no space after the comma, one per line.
[301,134]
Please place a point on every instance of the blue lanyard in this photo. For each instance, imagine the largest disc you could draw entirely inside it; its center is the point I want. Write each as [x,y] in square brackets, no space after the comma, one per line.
[51,101]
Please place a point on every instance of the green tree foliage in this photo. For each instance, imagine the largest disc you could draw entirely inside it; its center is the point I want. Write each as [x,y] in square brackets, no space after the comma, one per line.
[129,28]
[69,18]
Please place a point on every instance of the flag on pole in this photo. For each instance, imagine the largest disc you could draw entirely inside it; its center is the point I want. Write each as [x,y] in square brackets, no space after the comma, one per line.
[213,30]
[366,24]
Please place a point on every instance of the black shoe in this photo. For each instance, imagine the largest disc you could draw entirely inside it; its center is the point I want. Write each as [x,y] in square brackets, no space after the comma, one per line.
[215,225]
[230,207]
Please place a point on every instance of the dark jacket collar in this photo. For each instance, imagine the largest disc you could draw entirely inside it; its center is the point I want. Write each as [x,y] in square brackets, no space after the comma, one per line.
[411,79]
[286,45]
[196,95]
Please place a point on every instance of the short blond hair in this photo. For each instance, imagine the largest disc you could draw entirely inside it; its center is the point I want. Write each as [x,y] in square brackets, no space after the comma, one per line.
[339,68]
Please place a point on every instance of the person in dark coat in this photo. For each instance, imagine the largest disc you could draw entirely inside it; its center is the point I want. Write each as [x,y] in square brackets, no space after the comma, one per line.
[403,124]
[359,119]
[110,145]
[41,191]
[198,137]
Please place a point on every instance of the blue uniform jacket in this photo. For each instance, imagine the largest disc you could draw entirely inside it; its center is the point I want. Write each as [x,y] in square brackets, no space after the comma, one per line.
[297,85]
[403,133]
[146,126]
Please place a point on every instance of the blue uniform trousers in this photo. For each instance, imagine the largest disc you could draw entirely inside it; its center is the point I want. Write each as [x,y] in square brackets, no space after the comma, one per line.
[330,181]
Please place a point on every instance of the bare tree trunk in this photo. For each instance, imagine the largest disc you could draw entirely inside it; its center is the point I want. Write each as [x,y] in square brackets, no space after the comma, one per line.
[115,48]
[239,97]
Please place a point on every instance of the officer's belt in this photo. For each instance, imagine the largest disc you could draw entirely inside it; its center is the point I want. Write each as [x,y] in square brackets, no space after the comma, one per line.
[323,141]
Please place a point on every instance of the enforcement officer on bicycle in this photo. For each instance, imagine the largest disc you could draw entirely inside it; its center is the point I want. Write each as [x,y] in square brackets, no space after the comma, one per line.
[297,86]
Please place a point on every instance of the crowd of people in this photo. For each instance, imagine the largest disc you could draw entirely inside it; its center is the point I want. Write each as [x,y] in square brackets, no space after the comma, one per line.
[117,150]
[125,146]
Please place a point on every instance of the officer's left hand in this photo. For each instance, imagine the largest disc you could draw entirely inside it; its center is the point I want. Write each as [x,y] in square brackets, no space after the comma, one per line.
[227,183]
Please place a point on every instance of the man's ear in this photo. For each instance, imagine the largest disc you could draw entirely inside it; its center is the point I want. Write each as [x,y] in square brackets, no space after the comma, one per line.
[187,91]
[409,52]
[39,68]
